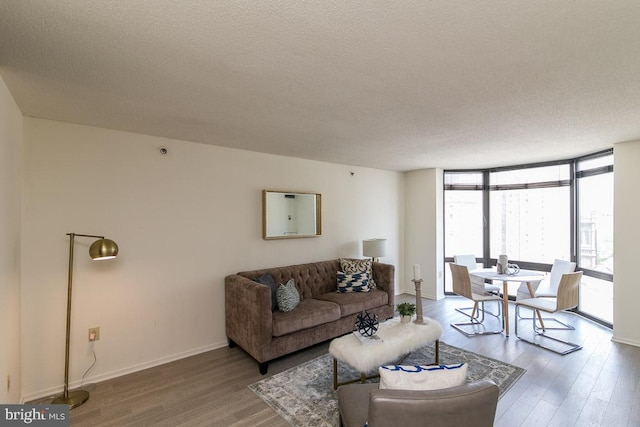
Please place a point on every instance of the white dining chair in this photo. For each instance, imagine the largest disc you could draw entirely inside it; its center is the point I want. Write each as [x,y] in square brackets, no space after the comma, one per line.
[478,285]
[567,298]
[549,289]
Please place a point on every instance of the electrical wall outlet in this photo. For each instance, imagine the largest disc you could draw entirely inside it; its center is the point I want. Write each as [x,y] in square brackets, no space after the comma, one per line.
[94,334]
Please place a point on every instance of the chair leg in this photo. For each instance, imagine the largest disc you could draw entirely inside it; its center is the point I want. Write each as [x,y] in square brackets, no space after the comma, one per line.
[474,312]
[541,333]
[463,310]
[475,321]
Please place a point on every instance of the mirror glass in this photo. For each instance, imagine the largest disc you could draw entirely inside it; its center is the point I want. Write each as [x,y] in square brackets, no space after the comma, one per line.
[287,215]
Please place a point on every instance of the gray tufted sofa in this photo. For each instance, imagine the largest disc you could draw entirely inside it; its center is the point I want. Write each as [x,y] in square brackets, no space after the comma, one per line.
[322,314]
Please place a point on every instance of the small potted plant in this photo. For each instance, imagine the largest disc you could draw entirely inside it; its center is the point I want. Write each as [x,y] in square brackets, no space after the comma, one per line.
[406,310]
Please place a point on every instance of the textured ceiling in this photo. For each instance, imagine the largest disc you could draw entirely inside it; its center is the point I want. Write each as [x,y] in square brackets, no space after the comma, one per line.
[393,84]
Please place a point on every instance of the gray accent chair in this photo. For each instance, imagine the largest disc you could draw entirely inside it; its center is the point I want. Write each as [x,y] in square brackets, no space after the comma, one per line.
[468,404]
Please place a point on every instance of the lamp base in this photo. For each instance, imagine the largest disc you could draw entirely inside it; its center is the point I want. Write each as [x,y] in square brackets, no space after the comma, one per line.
[74,398]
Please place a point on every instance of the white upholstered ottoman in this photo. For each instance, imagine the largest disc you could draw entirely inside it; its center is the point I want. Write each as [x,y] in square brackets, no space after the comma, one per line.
[397,340]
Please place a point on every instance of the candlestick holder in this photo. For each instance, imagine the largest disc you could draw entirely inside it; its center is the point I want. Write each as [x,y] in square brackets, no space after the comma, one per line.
[419,319]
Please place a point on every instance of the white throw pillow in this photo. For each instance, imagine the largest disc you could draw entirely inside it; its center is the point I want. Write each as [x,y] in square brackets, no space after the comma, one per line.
[435,377]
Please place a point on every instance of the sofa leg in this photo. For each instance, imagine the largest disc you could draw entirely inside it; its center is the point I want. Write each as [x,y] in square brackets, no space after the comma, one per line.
[263,366]
[231,343]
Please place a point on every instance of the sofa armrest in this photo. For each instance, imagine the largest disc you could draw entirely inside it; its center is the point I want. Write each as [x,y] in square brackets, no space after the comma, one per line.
[384,275]
[248,313]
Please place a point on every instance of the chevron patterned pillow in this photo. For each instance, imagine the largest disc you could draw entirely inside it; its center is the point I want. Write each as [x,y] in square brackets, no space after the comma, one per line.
[352,282]
[350,265]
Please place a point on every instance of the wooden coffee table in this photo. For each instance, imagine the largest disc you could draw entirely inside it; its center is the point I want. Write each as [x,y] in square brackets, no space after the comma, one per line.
[397,341]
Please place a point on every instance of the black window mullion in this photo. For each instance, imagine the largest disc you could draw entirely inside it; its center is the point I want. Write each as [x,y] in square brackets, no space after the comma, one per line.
[532,186]
[573,213]
[594,171]
[486,233]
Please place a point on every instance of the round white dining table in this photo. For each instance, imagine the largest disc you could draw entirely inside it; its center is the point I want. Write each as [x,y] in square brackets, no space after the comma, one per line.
[523,276]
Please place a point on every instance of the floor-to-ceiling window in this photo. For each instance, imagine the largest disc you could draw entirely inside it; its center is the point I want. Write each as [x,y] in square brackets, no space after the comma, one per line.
[464,213]
[530,213]
[464,219]
[536,214]
[594,182]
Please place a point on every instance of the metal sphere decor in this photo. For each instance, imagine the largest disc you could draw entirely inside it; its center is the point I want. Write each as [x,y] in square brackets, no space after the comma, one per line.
[367,323]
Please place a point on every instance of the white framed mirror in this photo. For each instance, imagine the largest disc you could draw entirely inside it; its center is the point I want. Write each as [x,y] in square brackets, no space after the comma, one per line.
[290,214]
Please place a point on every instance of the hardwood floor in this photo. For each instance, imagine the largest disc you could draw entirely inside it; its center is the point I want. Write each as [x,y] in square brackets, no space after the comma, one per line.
[598,385]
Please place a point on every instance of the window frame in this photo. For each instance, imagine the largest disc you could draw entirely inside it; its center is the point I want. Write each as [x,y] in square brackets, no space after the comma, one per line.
[573,182]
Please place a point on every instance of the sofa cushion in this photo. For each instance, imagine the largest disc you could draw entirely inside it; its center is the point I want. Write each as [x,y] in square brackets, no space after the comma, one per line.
[267,279]
[350,265]
[400,377]
[287,296]
[355,302]
[352,282]
[309,313]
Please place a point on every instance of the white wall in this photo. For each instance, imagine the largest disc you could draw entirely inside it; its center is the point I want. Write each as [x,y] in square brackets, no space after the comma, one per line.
[183,222]
[626,243]
[10,238]
[424,231]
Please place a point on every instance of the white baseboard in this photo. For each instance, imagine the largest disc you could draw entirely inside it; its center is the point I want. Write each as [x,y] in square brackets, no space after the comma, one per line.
[55,391]
[625,341]
[427,296]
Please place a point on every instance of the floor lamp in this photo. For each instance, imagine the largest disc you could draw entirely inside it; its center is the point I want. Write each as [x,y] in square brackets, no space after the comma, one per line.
[101,249]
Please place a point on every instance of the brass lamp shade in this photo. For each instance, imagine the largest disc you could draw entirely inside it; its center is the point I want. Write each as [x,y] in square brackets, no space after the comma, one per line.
[103,249]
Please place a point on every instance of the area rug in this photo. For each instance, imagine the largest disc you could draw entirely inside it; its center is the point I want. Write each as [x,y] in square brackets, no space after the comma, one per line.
[304,395]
